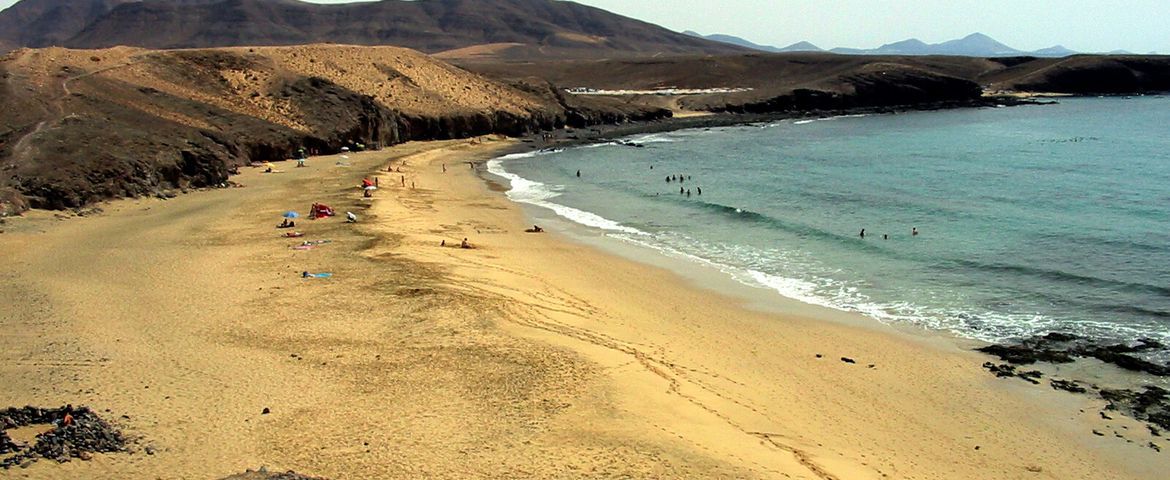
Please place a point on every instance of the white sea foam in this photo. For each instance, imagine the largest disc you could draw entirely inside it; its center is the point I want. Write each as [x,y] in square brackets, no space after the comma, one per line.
[655,138]
[829,119]
[596,145]
[536,193]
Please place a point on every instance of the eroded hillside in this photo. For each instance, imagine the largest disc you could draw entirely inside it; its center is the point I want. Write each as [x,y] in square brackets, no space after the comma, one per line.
[79,126]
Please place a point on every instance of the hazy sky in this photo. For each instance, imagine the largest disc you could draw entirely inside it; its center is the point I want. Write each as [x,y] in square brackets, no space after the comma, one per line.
[1139,26]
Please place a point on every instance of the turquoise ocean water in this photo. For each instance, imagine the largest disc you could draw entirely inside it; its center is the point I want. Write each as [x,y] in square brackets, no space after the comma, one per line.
[1031,219]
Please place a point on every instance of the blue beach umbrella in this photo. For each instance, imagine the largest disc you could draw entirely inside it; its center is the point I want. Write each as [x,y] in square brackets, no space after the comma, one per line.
[291,214]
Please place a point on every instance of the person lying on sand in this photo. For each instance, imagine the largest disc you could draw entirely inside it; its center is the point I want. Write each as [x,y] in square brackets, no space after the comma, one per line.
[535,229]
[287,224]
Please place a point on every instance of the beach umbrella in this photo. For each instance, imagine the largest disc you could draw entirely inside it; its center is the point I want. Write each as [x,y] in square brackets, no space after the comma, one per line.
[291,214]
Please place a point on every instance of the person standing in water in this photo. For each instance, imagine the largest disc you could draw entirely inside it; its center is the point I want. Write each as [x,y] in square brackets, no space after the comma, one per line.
[680,190]
[914,231]
[578,174]
[863,233]
[700,189]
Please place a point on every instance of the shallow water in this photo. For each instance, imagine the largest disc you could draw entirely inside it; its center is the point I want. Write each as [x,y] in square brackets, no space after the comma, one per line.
[1031,219]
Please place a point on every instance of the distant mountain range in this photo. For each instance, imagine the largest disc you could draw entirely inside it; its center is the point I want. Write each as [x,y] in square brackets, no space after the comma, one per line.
[547,28]
[974,45]
[796,47]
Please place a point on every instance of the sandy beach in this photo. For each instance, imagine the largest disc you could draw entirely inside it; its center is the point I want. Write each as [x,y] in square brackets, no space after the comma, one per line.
[527,356]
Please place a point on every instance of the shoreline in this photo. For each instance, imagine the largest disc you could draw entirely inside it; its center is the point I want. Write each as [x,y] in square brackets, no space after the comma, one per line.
[527,356]
[949,345]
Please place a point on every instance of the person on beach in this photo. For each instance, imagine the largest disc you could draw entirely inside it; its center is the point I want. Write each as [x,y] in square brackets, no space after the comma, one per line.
[464,244]
[444,168]
[350,217]
[863,233]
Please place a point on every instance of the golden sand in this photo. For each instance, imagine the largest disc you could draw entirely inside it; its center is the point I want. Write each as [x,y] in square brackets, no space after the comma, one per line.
[528,356]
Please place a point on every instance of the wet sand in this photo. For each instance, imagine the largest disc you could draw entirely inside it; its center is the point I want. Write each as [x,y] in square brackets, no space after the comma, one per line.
[528,356]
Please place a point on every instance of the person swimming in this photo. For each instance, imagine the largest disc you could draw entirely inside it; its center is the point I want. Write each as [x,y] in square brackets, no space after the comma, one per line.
[914,231]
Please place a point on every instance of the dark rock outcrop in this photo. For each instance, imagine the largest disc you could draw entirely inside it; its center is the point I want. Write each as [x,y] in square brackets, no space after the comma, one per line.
[1151,404]
[1091,75]
[1148,403]
[1065,348]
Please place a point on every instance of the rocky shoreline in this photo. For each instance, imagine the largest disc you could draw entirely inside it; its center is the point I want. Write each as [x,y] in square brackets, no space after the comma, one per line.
[1146,403]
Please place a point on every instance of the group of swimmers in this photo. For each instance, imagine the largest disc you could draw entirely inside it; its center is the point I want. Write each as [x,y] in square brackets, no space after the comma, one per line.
[680,179]
[913,233]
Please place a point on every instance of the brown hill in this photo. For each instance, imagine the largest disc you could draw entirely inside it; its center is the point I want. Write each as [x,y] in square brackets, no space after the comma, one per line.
[42,23]
[812,81]
[83,125]
[543,27]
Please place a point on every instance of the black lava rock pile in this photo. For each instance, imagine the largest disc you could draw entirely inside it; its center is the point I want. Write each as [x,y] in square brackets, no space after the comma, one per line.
[264,474]
[79,436]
